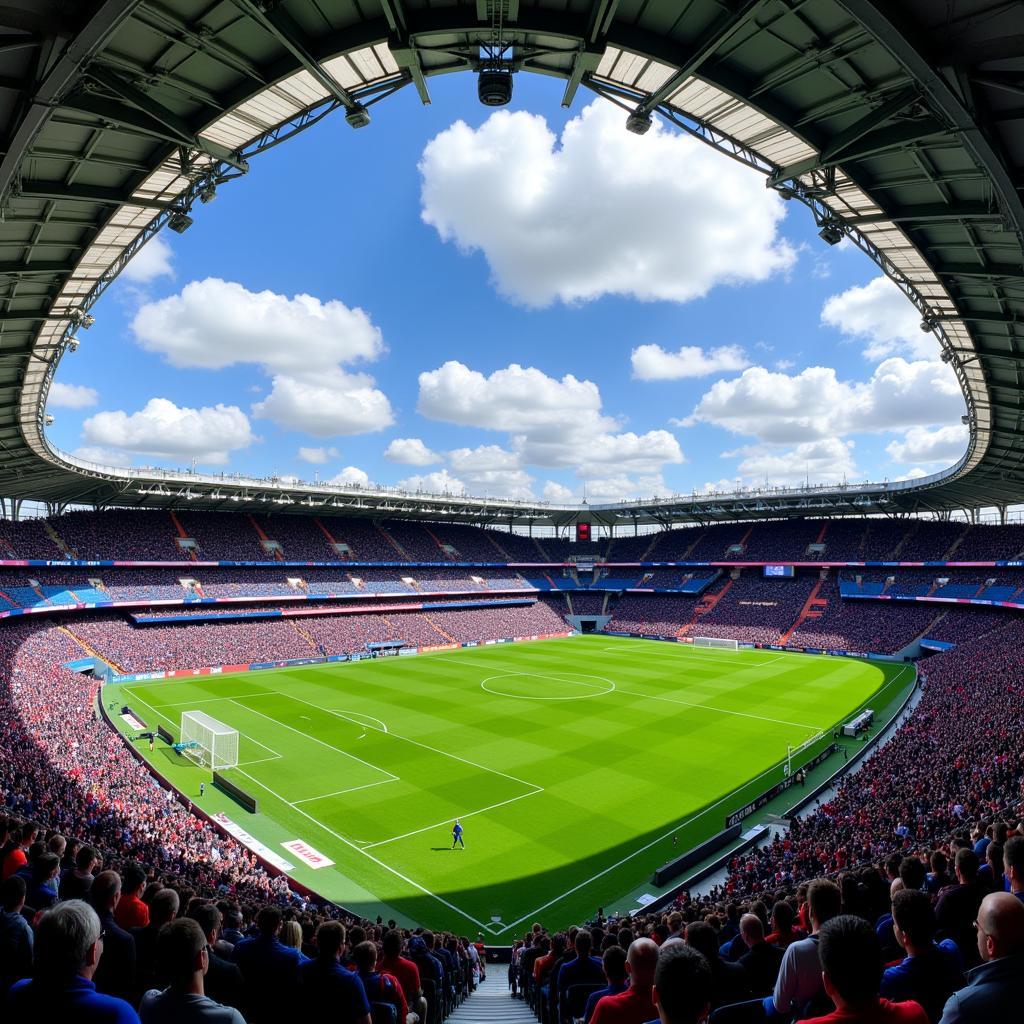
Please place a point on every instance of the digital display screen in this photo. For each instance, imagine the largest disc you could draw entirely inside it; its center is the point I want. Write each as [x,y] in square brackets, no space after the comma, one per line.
[786,572]
[583,533]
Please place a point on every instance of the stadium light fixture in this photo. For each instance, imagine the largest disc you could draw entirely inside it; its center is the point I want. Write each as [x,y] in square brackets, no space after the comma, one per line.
[80,318]
[965,420]
[73,343]
[48,420]
[208,192]
[928,325]
[831,232]
[357,116]
[494,86]
[947,356]
[638,122]
[179,221]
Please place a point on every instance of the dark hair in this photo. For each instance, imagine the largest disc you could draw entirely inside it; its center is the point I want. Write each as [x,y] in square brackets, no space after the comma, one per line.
[783,915]
[330,937]
[132,876]
[703,938]
[967,862]
[683,981]
[365,956]
[912,912]
[207,916]
[178,944]
[614,963]
[85,857]
[268,920]
[44,865]
[1013,853]
[851,957]
[824,900]
[12,892]
[913,872]
[584,942]
[391,944]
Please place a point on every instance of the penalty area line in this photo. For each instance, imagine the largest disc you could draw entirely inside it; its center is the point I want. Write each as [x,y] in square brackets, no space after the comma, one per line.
[341,792]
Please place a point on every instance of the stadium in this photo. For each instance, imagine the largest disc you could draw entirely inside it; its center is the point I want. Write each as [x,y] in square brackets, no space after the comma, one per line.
[740,754]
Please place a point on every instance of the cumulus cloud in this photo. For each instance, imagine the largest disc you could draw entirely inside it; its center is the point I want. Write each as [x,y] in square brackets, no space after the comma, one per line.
[153,260]
[338,403]
[438,482]
[825,460]
[558,493]
[318,456]
[71,396]
[945,445]
[303,343]
[785,409]
[621,487]
[350,476]
[599,211]
[652,362]
[882,317]
[411,451]
[491,469]
[164,429]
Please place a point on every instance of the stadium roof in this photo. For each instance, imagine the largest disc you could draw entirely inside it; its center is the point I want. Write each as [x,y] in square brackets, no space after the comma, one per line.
[898,123]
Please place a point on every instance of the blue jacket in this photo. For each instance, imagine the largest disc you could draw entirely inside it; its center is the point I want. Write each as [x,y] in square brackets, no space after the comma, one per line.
[76,1001]
[994,992]
[270,970]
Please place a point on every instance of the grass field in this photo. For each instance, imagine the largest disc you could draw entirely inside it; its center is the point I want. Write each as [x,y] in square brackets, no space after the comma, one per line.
[573,765]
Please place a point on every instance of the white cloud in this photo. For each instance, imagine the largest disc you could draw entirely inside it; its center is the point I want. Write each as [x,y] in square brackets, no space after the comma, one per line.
[350,476]
[558,493]
[411,451]
[153,260]
[652,362]
[302,342]
[102,456]
[492,470]
[813,404]
[438,482]
[945,445]
[825,460]
[164,429]
[318,456]
[600,211]
[337,403]
[620,487]
[71,396]
[913,474]
[880,315]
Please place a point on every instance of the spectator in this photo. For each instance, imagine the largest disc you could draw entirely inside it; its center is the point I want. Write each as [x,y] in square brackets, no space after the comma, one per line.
[783,934]
[682,985]
[17,857]
[799,981]
[636,1004]
[995,990]
[15,934]
[380,987]
[182,956]
[327,992]
[583,969]
[291,935]
[728,980]
[613,964]
[1013,865]
[131,911]
[223,981]
[957,906]
[929,973]
[851,965]
[68,948]
[761,962]
[115,975]
[42,893]
[269,969]
[76,882]
[408,974]
[163,910]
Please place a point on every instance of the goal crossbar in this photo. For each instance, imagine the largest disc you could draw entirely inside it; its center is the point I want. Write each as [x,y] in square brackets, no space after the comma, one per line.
[215,743]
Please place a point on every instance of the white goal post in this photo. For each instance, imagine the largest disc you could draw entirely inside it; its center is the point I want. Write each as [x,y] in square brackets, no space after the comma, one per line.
[716,642]
[208,741]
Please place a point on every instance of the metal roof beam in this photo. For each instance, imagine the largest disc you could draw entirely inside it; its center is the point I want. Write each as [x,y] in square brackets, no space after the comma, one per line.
[37,267]
[588,56]
[84,194]
[689,63]
[930,213]
[991,272]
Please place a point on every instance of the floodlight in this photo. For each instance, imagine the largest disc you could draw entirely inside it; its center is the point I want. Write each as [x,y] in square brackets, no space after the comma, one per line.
[80,318]
[494,86]
[965,420]
[831,232]
[928,325]
[357,116]
[179,222]
[73,343]
[947,356]
[208,193]
[48,420]
[639,122]
[786,191]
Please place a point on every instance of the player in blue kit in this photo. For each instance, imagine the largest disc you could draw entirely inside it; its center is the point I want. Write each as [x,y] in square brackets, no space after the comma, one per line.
[457,839]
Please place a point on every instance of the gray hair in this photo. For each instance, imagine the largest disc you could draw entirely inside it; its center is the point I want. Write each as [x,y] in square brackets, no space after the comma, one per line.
[64,937]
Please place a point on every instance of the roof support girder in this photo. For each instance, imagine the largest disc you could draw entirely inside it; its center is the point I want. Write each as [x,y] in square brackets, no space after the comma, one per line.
[98,194]
[930,212]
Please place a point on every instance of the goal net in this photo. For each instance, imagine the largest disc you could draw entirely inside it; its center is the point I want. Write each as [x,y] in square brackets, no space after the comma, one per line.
[208,741]
[716,642]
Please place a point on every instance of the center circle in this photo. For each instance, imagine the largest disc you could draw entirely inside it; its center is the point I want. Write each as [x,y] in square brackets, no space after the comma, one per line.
[530,686]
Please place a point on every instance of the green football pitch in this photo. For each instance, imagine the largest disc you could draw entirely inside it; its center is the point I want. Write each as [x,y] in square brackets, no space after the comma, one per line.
[577,766]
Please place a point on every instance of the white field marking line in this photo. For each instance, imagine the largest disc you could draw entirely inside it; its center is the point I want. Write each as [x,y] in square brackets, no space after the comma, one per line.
[554,679]
[438,824]
[351,789]
[349,843]
[359,714]
[693,657]
[177,724]
[259,760]
[417,743]
[205,700]
[315,739]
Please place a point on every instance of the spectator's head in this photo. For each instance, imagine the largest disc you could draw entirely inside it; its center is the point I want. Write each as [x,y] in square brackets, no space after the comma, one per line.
[913,921]
[851,962]
[57,844]
[365,957]
[68,942]
[133,879]
[86,859]
[751,930]
[913,872]
[584,943]
[1013,861]
[966,866]
[1000,926]
[291,934]
[181,953]
[783,917]
[29,833]
[208,917]
[12,894]
[268,921]
[163,907]
[330,940]
[391,944]
[625,937]
[994,857]
[641,960]
[45,867]
[682,984]
[702,937]
[105,892]
[823,902]
[614,963]
[938,862]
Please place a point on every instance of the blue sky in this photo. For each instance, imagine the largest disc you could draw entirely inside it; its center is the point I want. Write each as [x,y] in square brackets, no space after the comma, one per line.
[524,303]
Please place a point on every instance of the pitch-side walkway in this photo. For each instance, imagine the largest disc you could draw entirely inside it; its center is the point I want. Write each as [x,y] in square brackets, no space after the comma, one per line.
[491,1003]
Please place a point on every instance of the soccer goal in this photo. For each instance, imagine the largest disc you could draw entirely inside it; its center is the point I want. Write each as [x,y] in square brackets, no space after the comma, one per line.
[208,741]
[716,642]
